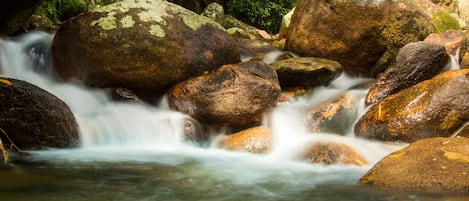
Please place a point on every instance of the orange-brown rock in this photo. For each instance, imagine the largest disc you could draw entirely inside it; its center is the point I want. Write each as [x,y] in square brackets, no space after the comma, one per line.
[453,40]
[432,108]
[143,46]
[254,140]
[414,63]
[235,96]
[427,165]
[336,115]
[334,153]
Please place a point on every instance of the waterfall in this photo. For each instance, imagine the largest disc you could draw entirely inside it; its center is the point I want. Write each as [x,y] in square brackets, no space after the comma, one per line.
[105,124]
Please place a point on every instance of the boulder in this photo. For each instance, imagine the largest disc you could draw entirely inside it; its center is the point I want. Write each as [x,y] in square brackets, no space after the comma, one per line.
[432,108]
[306,72]
[143,46]
[414,63]
[234,96]
[454,42]
[436,165]
[333,153]
[257,140]
[336,115]
[355,33]
[33,118]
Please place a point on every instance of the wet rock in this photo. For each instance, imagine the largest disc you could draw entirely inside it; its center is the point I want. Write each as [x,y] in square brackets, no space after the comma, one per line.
[216,12]
[234,95]
[143,46]
[464,131]
[33,118]
[453,41]
[124,95]
[290,93]
[432,108]
[336,115]
[427,165]
[334,153]
[414,63]
[194,132]
[355,33]
[255,140]
[306,72]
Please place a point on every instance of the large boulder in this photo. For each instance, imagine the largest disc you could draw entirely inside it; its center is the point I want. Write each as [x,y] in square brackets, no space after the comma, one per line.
[355,33]
[436,165]
[143,46]
[256,140]
[415,62]
[432,108]
[234,96]
[33,118]
[306,72]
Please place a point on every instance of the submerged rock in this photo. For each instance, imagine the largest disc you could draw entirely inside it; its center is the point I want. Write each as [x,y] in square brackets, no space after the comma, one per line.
[432,108]
[33,118]
[414,63]
[143,46]
[355,33]
[306,72]
[427,165]
[257,140]
[333,153]
[235,95]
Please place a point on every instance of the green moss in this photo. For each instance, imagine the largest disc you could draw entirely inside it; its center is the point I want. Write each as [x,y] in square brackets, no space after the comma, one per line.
[106,23]
[443,21]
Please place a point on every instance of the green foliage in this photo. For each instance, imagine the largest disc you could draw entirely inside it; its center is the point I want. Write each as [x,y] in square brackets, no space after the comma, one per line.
[263,14]
[60,10]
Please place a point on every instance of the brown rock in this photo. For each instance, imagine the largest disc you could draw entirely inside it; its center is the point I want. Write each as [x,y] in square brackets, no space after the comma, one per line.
[427,165]
[33,118]
[333,153]
[254,140]
[235,95]
[306,72]
[415,62]
[432,108]
[355,33]
[453,40]
[143,46]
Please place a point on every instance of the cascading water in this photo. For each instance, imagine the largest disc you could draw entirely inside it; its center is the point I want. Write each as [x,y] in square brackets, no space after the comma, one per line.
[151,138]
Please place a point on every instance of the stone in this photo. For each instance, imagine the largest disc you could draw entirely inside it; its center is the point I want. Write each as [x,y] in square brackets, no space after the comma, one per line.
[333,153]
[414,63]
[143,46]
[256,140]
[33,118]
[433,165]
[235,95]
[432,108]
[306,72]
[454,42]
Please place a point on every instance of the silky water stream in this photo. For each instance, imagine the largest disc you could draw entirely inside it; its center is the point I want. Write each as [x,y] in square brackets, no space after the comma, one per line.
[136,152]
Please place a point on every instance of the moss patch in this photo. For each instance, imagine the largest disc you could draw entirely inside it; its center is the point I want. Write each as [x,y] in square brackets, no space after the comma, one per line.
[444,21]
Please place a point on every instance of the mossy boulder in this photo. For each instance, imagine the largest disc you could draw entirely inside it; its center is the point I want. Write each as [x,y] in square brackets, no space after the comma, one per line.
[434,165]
[355,33]
[143,46]
[234,96]
[432,108]
[33,118]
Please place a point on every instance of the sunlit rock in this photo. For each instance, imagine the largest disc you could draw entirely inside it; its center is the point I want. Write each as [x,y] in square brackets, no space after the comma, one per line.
[333,153]
[432,108]
[306,72]
[355,33]
[34,119]
[143,46]
[336,115]
[234,95]
[453,40]
[254,140]
[414,63]
[428,165]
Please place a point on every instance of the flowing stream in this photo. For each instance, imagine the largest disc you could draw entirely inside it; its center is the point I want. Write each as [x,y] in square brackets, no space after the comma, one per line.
[136,152]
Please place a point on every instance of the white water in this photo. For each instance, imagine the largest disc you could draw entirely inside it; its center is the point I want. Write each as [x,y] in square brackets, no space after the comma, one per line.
[122,131]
